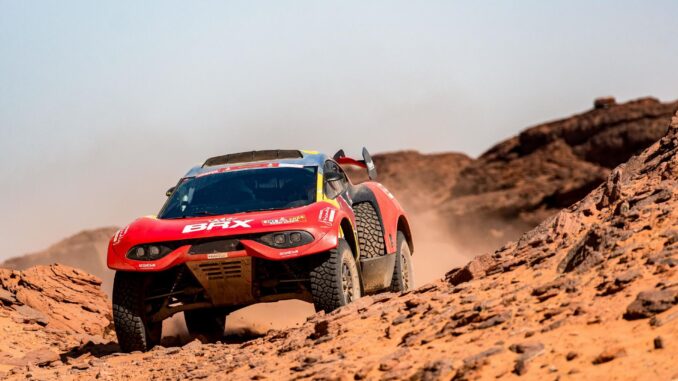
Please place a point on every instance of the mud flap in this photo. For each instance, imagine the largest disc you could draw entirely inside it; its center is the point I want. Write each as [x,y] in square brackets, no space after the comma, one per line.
[377,272]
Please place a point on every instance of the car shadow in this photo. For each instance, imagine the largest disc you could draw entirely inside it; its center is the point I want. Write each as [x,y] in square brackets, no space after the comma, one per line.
[94,349]
[180,341]
[240,338]
[99,350]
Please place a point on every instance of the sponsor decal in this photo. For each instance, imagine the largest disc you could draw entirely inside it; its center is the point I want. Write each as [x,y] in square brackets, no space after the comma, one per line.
[326,215]
[119,234]
[146,265]
[249,166]
[217,255]
[213,172]
[222,223]
[285,220]
[288,253]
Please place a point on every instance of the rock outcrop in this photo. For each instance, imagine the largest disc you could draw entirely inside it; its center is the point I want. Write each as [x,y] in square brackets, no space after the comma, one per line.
[589,293]
[527,178]
[49,310]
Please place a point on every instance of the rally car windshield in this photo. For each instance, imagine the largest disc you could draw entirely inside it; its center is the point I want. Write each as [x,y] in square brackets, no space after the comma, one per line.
[242,191]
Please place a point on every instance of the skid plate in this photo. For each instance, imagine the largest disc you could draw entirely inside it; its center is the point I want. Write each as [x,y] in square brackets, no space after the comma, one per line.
[227,281]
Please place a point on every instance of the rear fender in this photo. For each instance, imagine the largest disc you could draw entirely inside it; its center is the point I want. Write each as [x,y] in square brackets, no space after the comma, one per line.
[363,193]
[404,227]
[387,207]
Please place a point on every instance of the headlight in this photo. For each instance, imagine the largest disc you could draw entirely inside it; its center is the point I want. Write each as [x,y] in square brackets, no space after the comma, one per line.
[149,252]
[284,240]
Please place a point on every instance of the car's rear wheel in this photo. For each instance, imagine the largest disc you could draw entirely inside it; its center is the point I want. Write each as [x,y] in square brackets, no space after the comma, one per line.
[207,324]
[134,329]
[368,227]
[403,277]
[335,281]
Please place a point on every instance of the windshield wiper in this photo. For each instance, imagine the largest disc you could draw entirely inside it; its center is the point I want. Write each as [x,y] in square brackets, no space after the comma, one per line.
[184,216]
[205,213]
[263,210]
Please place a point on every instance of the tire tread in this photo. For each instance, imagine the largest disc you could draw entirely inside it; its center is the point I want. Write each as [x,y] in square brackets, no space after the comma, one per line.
[325,285]
[127,308]
[370,234]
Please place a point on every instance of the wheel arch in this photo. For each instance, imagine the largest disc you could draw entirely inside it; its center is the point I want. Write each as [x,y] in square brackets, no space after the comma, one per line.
[404,227]
[349,235]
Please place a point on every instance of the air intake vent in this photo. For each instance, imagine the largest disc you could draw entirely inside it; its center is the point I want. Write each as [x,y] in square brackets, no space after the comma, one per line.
[247,157]
[218,246]
[221,270]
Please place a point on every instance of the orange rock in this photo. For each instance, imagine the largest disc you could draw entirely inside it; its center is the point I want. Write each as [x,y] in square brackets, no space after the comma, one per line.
[609,354]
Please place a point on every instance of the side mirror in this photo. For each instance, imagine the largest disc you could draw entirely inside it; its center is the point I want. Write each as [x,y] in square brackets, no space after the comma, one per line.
[333,176]
[169,191]
[331,190]
[371,169]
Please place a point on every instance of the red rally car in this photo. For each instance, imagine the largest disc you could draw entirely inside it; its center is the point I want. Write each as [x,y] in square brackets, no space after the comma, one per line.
[254,227]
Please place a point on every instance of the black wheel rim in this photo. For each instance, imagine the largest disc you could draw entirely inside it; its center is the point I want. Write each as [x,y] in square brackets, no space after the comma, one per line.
[347,283]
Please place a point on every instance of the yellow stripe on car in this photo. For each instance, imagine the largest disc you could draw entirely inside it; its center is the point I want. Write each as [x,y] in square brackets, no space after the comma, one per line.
[320,194]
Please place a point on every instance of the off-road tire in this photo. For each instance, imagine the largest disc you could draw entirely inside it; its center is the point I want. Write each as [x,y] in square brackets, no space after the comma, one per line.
[328,279]
[403,277]
[370,233]
[207,325]
[134,331]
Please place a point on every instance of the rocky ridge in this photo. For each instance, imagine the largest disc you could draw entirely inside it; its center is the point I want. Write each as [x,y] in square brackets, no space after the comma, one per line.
[47,311]
[523,180]
[590,293]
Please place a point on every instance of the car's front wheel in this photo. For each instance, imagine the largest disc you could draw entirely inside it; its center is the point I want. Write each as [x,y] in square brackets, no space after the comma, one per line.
[335,281]
[134,329]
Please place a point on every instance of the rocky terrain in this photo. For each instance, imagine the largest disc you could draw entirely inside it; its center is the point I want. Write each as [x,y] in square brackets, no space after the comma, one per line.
[527,178]
[50,312]
[590,293]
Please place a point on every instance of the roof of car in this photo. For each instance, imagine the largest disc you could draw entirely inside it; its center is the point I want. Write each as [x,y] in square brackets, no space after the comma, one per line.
[259,159]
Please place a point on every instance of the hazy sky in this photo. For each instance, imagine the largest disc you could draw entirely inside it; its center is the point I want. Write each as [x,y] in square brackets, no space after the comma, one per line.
[104,106]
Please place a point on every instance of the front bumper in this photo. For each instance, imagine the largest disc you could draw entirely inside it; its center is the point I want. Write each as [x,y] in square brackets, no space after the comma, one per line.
[249,249]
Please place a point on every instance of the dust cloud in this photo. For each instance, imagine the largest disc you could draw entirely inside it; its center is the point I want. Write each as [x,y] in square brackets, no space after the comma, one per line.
[251,321]
[436,250]
[260,318]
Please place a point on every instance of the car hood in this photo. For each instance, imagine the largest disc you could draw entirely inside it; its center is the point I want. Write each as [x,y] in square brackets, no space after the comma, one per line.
[151,229]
